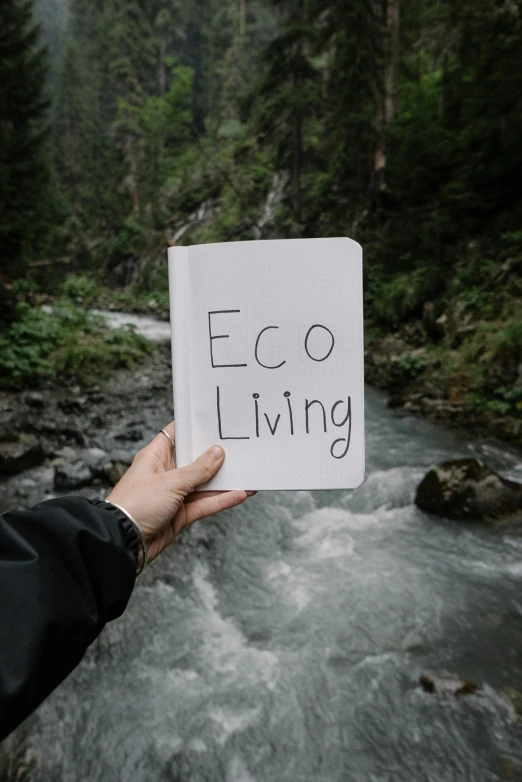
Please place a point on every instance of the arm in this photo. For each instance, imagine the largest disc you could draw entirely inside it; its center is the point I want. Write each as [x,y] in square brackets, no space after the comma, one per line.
[66,569]
[68,566]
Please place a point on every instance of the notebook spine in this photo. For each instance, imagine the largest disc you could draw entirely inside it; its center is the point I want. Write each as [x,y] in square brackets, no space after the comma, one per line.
[180,330]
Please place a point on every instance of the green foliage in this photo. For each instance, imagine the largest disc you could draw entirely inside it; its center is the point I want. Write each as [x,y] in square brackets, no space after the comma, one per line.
[24,193]
[136,299]
[69,341]
[23,287]
[508,339]
[401,296]
[80,289]
[288,99]
[225,120]
[478,401]
[412,364]
[478,301]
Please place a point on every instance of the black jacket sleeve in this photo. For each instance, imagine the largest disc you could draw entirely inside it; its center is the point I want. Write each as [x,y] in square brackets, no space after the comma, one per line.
[67,566]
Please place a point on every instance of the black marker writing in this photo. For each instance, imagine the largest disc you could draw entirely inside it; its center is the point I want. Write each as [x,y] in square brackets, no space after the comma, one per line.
[219,336]
[272,431]
[256,397]
[348,418]
[287,394]
[318,326]
[266,366]
[221,436]
[337,417]
[308,405]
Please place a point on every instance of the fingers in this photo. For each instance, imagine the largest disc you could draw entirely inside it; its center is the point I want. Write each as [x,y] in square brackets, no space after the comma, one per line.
[162,445]
[206,506]
[200,471]
[158,454]
[198,495]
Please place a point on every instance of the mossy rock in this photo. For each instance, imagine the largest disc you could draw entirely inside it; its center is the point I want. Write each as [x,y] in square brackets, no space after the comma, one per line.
[466,489]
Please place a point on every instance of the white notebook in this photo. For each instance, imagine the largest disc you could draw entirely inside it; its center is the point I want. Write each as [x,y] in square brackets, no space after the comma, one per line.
[267,350]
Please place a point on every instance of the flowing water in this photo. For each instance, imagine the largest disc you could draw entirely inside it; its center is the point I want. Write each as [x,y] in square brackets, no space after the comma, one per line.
[283,641]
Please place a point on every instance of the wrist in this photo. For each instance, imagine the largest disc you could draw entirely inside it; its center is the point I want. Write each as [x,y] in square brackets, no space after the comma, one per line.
[141,550]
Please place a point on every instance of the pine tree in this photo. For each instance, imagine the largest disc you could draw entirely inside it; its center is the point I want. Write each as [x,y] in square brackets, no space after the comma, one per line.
[289,100]
[352,39]
[23,170]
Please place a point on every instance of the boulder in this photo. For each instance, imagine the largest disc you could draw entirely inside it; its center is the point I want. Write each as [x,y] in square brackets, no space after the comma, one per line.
[34,399]
[466,489]
[20,453]
[73,404]
[96,459]
[72,475]
[444,683]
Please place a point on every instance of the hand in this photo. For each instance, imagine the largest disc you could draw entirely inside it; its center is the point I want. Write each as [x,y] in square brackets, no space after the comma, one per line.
[162,498]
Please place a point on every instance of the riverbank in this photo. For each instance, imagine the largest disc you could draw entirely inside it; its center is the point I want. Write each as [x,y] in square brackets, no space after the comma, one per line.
[455,358]
[82,437]
[390,363]
[422,378]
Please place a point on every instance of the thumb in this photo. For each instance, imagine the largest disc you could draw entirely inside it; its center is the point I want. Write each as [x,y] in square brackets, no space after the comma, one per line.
[203,469]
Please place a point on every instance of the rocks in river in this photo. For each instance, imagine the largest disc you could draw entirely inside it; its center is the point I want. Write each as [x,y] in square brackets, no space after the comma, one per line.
[132,432]
[34,399]
[75,469]
[96,459]
[67,454]
[466,489]
[72,475]
[444,683]
[73,404]
[20,453]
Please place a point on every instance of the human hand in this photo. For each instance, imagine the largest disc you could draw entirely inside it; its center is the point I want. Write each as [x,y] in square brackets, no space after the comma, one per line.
[162,498]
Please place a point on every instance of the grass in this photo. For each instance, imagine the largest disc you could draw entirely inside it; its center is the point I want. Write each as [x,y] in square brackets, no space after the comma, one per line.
[69,342]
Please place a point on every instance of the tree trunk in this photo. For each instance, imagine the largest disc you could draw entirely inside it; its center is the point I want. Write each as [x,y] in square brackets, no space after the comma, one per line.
[392,55]
[162,76]
[132,177]
[297,144]
[386,103]
[297,132]
[242,20]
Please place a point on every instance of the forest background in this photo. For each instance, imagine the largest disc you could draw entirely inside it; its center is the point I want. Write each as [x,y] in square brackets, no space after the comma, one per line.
[127,126]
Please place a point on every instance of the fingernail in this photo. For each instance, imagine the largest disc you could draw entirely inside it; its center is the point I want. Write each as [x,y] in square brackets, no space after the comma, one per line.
[217,452]
[251,493]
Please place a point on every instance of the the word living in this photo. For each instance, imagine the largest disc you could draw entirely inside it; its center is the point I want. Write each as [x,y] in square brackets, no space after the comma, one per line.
[314,412]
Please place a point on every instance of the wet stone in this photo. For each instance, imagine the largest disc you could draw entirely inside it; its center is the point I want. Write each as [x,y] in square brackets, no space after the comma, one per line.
[34,399]
[444,683]
[20,453]
[466,489]
[72,475]
[96,459]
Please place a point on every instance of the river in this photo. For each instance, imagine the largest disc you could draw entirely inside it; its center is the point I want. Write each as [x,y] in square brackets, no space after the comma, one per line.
[283,641]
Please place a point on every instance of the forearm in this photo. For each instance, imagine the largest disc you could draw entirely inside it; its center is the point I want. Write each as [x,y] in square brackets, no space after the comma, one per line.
[67,567]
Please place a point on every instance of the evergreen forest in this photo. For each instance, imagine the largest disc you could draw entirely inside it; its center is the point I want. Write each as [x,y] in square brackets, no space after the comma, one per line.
[127,126]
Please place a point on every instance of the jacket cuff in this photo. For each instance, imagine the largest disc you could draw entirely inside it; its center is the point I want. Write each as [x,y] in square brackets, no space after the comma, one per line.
[130,537]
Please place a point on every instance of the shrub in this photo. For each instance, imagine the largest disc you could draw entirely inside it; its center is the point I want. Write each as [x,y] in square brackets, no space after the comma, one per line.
[412,364]
[401,296]
[68,341]
[79,288]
